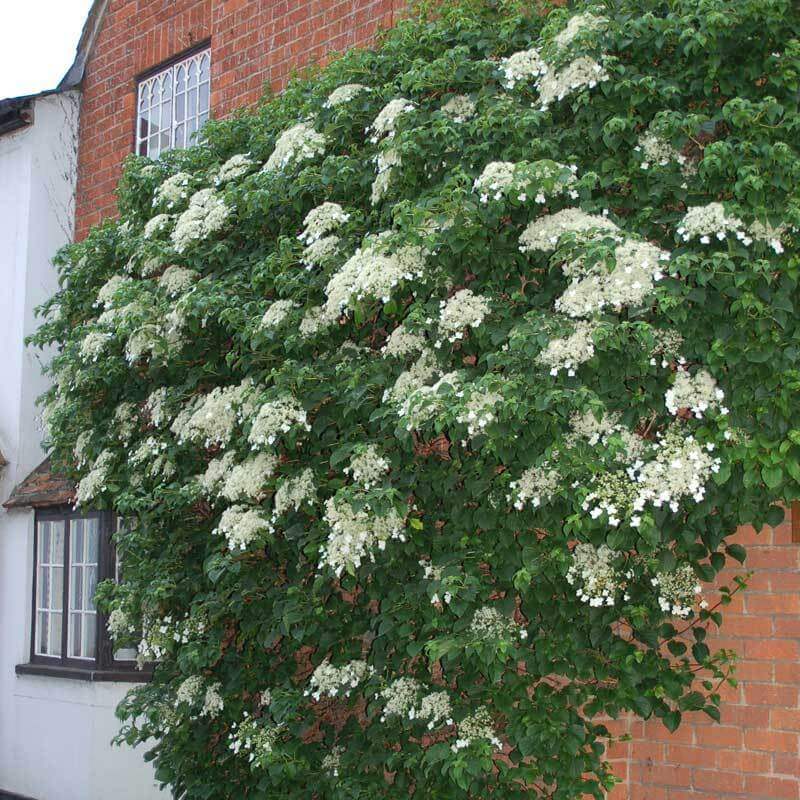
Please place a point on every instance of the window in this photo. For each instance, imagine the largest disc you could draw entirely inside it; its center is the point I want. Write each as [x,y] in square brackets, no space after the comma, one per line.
[72,552]
[173,105]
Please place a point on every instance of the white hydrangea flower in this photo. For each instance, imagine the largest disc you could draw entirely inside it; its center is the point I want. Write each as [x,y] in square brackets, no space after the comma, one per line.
[681,468]
[423,370]
[697,392]
[119,625]
[81,447]
[211,419]
[332,762]
[255,738]
[108,291]
[320,251]
[241,526]
[372,273]
[424,403]
[298,143]
[463,310]
[594,576]
[277,313]
[212,702]
[384,124]
[711,222]
[587,427]
[156,407]
[276,417]
[495,180]
[536,485]
[459,108]
[94,482]
[659,152]
[578,24]
[94,344]
[293,493]
[385,163]
[157,224]
[678,591]
[367,466]
[216,472]
[583,72]
[315,319]
[570,352]
[190,690]
[207,213]
[522,66]
[344,94]
[477,726]
[637,266]
[355,535]
[173,191]
[399,697]
[177,280]
[479,411]
[490,624]
[764,232]
[248,480]
[544,233]
[402,343]
[330,681]
[235,167]
[322,220]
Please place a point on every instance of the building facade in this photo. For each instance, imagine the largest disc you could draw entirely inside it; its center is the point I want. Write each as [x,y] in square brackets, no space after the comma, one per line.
[150,74]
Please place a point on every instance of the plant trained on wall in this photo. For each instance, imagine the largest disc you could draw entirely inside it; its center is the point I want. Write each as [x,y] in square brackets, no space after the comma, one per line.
[431,391]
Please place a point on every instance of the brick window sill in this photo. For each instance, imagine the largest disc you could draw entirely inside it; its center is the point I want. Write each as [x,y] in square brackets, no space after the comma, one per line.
[85,674]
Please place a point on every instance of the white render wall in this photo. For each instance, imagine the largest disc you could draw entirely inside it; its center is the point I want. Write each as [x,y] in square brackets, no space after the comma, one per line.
[55,733]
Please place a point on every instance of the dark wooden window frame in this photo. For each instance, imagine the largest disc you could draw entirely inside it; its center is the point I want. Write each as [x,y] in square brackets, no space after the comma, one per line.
[103,667]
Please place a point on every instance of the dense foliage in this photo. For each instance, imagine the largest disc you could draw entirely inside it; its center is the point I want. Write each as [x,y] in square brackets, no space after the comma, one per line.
[430,391]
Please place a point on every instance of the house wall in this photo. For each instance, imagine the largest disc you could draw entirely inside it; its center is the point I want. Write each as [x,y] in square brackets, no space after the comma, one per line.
[753,755]
[253,43]
[54,733]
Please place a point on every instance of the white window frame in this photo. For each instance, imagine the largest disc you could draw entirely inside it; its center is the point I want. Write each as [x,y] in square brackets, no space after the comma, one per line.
[165,92]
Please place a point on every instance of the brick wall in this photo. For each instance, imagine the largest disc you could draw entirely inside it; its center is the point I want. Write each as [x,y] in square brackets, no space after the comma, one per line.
[253,42]
[754,754]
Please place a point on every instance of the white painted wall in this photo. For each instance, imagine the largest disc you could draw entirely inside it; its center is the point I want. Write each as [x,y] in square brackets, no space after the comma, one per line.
[55,733]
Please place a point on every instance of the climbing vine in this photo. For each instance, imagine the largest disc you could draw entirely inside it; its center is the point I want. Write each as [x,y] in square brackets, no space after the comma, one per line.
[430,392]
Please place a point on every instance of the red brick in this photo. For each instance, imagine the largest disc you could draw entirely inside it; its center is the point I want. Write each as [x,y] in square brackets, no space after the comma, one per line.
[772,788]
[785,719]
[771,741]
[717,780]
[760,694]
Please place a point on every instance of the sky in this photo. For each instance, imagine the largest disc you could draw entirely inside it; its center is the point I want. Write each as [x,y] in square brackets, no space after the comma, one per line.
[37,43]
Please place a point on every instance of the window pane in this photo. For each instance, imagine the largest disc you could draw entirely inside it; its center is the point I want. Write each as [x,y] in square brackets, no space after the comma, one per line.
[89,636]
[92,540]
[76,541]
[180,78]
[55,634]
[192,73]
[44,543]
[57,541]
[43,621]
[91,587]
[76,589]
[205,67]
[57,590]
[75,635]
[43,582]
[204,92]
[192,99]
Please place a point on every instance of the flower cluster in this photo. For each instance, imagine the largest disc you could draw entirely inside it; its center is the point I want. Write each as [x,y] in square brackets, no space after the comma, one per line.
[570,352]
[242,526]
[299,143]
[544,233]
[659,152]
[403,342]
[678,591]
[479,411]
[637,265]
[333,761]
[248,480]
[712,220]
[254,737]
[355,534]
[177,280]
[173,191]
[535,486]
[293,492]
[322,220]
[344,94]
[594,575]
[697,393]
[476,727]
[235,167]
[522,66]
[385,164]
[276,417]
[491,625]
[277,313]
[94,344]
[119,625]
[211,419]
[320,251]
[582,72]
[459,108]
[190,690]
[386,121]
[207,213]
[367,466]
[330,681]
[497,178]
[423,403]
[578,25]
[212,701]
[401,699]
[463,310]
[156,225]
[372,273]
[94,482]
[108,291]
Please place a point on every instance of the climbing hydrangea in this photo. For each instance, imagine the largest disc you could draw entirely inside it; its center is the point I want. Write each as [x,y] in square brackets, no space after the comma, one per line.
[406,386]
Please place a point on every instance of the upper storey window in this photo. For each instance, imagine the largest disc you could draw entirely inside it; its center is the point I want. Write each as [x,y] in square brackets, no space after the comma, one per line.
[173,105]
